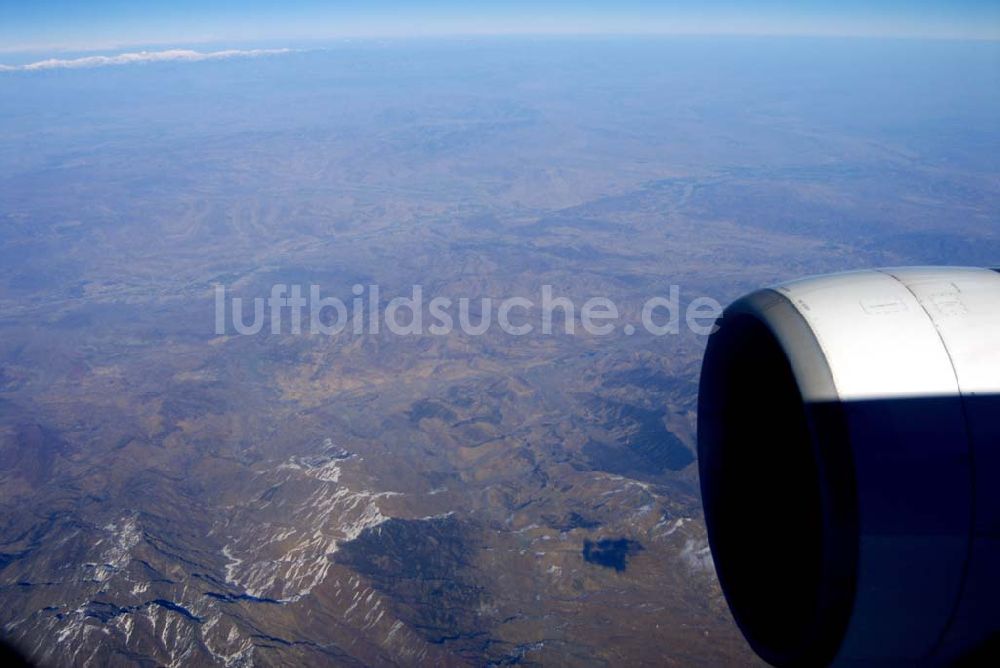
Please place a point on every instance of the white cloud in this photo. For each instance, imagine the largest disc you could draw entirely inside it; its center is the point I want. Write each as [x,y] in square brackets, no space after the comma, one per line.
[139,57]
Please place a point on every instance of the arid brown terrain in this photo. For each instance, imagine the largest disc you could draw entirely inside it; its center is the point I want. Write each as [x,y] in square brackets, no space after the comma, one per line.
[173,496]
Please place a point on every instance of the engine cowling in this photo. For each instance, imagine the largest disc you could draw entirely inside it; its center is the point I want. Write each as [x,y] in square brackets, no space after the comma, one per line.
[849,453]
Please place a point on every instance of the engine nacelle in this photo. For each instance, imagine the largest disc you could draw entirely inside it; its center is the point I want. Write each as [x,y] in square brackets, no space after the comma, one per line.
[849,452]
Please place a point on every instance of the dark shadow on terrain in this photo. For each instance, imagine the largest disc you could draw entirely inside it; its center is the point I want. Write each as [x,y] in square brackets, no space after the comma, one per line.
[610,552]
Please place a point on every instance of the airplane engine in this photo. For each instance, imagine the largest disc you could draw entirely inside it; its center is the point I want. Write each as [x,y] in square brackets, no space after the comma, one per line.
[849,453]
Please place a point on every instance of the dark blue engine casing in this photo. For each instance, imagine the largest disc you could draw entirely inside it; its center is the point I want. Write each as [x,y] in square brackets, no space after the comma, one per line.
[849,452]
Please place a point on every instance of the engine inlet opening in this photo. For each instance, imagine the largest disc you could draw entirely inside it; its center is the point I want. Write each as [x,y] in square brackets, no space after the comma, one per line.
[762,491]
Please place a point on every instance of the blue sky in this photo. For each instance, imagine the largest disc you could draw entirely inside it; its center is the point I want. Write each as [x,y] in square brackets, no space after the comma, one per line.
[40,25]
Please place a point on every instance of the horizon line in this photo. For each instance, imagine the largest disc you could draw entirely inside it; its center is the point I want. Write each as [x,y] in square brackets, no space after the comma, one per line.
[166,44]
